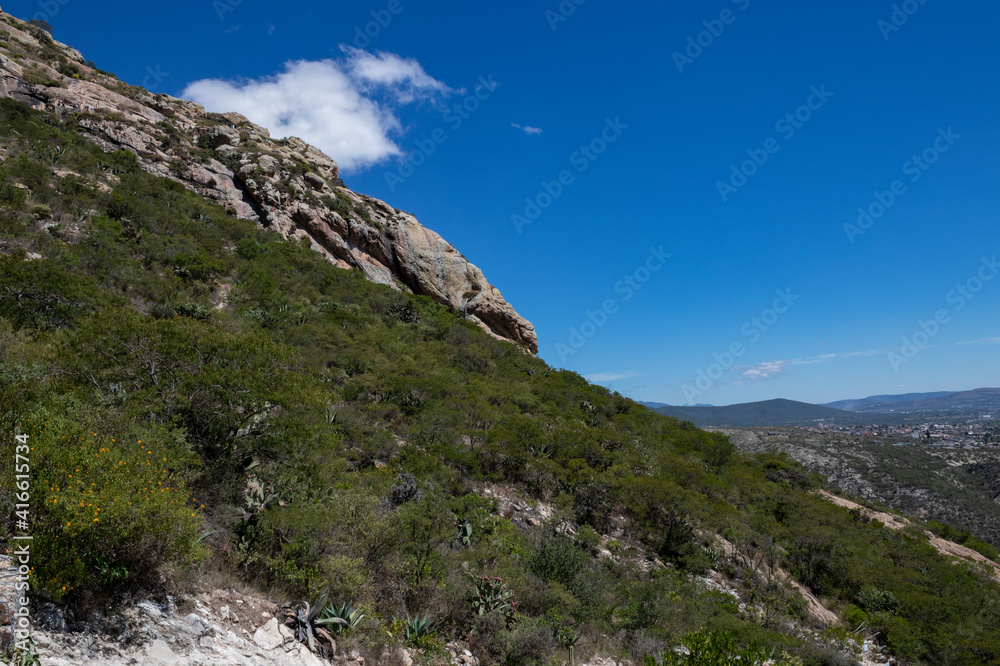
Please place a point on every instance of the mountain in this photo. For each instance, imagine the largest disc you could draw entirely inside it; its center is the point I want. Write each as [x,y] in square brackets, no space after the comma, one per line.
[220,368]
[657,405]
[859,405]
[284,184]
[886,409]
[972,403]
[768,412]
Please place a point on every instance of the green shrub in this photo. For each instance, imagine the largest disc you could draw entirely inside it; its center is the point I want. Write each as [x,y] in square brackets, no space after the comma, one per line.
[110,512]
[854,617]
[875,600]
[706,648]
[12,197]
[194,311]
[557,558]
[494,642]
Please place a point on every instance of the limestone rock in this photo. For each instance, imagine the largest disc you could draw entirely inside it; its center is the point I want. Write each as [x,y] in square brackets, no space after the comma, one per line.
[268,637]
[286,185]
[196,626]
[222,136]
[159,653]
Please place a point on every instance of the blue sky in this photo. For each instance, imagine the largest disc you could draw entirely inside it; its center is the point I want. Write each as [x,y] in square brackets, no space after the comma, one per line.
[824,105]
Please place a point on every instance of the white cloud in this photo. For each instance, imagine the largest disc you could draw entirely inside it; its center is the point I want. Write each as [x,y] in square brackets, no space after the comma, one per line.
[765,370]
[769,369]
[346,107]
[403,78]
[527,129]
[611,376]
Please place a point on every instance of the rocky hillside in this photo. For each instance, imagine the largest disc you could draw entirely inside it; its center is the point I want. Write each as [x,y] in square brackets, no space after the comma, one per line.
[283,184]
[957,487]
[206,405]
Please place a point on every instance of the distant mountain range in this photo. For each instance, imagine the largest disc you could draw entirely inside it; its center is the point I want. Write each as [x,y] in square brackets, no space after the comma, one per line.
[884,409]
[864,404]
[657,405]
[768,412]
[982,400]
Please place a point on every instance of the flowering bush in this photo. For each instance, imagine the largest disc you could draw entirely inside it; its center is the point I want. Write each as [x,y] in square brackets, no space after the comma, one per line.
[107,513]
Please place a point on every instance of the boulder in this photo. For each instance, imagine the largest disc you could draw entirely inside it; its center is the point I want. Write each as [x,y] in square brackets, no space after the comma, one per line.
[159,653]
[222,136]
[268,637]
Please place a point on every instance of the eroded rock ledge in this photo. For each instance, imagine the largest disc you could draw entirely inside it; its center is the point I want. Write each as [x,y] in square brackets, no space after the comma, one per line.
[287,184]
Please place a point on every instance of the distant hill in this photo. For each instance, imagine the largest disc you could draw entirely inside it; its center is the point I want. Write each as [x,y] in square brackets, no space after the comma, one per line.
[657,405]
[862,404]
[768,412]
[972,402]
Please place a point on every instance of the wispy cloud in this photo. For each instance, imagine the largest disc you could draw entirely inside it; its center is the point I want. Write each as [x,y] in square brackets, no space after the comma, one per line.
[346,107]
[765,370]
[527,129]
[771,369]
[611,376]
[869,352]
[981,341]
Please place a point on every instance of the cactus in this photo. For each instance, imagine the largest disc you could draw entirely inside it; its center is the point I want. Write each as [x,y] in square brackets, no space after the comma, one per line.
[492,595]
[464,532]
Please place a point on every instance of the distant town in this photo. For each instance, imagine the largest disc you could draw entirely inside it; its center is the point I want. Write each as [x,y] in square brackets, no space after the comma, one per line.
[984,432]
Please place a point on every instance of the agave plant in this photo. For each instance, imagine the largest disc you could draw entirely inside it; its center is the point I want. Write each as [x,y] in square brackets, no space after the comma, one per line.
[342,617]
[418,628]
[567,637]
[306,619]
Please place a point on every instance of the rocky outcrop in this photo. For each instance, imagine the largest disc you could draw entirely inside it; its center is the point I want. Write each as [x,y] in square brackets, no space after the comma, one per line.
[218,628]
[283,184]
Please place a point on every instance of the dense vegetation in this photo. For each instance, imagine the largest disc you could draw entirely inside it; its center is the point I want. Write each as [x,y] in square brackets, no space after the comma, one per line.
[322,433]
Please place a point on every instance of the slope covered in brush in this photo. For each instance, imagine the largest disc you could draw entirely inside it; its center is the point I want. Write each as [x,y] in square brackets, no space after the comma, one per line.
[204,395]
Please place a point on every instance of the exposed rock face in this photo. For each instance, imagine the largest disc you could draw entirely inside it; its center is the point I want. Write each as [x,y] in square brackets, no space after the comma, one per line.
[286,185]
